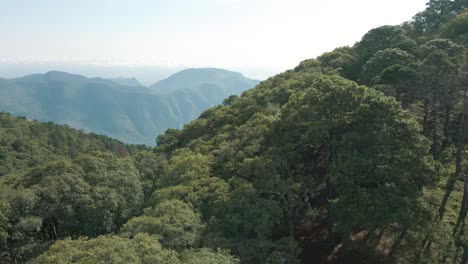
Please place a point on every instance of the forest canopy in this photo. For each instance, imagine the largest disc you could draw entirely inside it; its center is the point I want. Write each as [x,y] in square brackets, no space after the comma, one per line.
[359,154]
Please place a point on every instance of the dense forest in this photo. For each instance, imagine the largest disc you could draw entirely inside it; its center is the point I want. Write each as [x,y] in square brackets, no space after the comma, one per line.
[357,156]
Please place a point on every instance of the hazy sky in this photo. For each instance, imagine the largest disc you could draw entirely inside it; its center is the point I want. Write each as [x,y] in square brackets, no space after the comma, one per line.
[247,35]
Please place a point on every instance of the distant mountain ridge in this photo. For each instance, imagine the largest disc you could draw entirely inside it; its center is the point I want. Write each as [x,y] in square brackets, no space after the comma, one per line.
[126,81]
[120,108]
[196,79]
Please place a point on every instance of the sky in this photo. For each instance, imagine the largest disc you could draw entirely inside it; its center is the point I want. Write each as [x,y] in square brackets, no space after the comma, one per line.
[256,37]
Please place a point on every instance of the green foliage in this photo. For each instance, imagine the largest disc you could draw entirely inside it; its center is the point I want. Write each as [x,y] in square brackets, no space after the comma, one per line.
[382,38]
[382,60]
[147,164]
[265,159]
[25,145]
[309,66]
[456,28]
[61,183]
[342,61]
[185,166]
[142,249]
[173,222]
[116,190]
[430,20]
[4,224]
[378,154]
[207,194]
[206,256]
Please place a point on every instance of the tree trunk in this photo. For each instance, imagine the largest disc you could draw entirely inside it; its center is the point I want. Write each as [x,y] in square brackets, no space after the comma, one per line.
[379,237]
[457,256]
[331,236]
[330,231]
[464,208]
[434,124]
[397,242]
[290,213]
[370,234]
[54,229]
[346,245]
[448,190]
[459,158]
[465,256]
[12,255]
[426,118]
[446,140]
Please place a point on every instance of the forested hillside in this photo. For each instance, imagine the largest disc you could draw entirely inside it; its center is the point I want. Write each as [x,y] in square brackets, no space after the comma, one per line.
[120,108]
[357,156]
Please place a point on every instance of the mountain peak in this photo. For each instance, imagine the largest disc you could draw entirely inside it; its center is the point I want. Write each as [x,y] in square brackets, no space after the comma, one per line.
[61,74]
[206,72]
[196,78]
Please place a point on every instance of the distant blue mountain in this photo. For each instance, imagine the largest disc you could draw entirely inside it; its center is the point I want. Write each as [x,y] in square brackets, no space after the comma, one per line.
[120,108]
[200,79]
[126,81]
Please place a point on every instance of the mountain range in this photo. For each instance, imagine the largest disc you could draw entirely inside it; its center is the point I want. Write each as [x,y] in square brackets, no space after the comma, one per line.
[121,108]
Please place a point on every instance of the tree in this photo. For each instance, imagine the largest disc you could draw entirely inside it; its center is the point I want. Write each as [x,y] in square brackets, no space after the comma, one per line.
[460,225]
[148,165]
[342,61]
[116,192]
[21,227]
[184,166]
[142,249]
[208,195]
[382,38]
[246,224]
[401,82]
[456,29]
[173,222]
[439,72]
[427,21]
[309,66]
[436,13]
[4,223]
[206,256]
[381,61]
[375,152]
